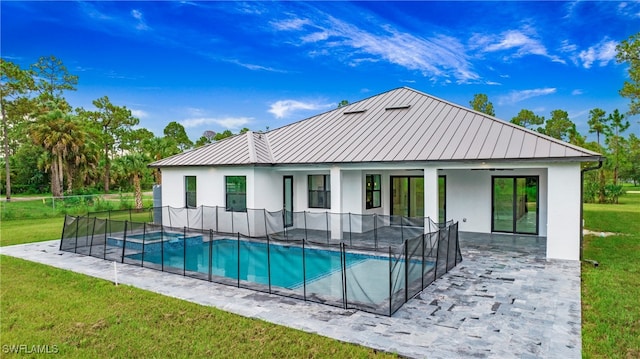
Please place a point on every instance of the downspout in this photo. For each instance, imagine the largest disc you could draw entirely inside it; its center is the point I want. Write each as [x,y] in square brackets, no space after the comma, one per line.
[582,172]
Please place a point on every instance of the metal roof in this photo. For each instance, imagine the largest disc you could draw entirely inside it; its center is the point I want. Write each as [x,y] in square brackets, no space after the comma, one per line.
[401,125]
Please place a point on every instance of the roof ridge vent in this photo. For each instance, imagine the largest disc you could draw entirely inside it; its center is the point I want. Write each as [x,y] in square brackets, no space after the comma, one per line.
[354,112]
[402,107]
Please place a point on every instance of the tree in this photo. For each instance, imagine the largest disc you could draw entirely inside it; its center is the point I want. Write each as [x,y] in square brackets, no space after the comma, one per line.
[598,123]
[135,166]
[481,103]
[53,78]
[222,135]
[526,118]
[343,103]
[177,132]
[632,171]
[158,148]
[615,141]
[559,126]
[629,51]
[114,123]
[61,136]
[14,83]
[206,138]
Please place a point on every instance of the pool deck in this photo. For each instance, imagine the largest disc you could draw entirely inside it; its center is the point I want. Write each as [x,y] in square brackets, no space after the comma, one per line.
[503,301]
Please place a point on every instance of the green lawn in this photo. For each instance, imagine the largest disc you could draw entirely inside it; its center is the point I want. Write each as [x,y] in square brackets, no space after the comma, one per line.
[85,317]
[611,292]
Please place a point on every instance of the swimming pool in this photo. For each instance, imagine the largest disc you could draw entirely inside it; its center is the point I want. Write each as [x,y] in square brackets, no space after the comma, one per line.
[363,276]
[286,266]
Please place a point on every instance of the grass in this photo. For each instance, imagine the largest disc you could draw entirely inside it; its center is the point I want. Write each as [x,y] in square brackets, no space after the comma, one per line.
[87,317]
[610,292]
[30,230]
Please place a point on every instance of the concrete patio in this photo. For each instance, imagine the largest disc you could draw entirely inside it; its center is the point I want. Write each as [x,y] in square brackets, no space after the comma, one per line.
[503,301]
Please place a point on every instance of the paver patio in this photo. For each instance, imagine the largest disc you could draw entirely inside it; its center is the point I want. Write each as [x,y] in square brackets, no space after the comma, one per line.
[503,301]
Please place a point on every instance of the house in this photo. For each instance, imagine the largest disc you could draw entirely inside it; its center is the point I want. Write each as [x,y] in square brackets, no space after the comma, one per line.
[404,153]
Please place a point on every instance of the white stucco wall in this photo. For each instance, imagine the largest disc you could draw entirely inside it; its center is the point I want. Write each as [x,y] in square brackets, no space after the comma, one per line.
[468,199]
[563,229]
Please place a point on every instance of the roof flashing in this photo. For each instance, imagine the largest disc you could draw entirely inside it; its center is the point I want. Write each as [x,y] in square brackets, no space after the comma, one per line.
[354,112]
[402,107]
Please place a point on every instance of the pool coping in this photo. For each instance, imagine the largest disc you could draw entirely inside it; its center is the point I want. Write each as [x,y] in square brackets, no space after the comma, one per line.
[504,304]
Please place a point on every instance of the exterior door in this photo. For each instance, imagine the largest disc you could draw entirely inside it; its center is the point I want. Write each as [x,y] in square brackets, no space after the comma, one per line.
[287,184]
[407,196]
[515,205]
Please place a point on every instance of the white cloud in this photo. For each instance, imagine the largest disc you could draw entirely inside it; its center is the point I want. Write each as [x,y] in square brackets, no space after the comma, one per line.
[231,123]
[435,57]
[492,83]
[139,113]
[284,108]
[517,96]
[603,53]
[138,16]
[290,24]
[523,42]
[577,92]
[254,67]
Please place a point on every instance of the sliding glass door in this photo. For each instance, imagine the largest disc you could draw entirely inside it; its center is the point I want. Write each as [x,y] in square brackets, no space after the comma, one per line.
[515,205]
[407,196]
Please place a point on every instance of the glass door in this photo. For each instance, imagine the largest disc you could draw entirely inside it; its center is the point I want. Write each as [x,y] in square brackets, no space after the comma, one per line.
[407,196]
[515,205]
[288,200]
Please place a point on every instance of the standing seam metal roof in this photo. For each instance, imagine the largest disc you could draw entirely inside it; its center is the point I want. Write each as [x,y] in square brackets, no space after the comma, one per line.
[401,125]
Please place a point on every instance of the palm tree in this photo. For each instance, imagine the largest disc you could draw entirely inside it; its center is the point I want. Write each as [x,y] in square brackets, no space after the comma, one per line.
[59,134]
[158,148]
[135,166]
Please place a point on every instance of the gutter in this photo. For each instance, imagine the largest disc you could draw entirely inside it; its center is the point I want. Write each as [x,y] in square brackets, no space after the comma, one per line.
[582,172]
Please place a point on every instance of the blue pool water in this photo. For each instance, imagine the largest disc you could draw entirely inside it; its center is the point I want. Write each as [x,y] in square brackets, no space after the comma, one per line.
[257,261]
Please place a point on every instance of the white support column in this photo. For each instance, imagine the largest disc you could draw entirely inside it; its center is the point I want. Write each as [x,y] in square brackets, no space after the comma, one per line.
[563,211]
[431,208]
[336,202]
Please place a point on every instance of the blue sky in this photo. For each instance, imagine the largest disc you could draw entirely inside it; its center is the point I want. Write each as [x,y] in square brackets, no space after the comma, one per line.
[228,65]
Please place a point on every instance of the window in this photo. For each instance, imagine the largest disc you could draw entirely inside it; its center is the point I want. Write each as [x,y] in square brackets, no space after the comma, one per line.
[373,191]
[190,191]
[319,191]
[236,193]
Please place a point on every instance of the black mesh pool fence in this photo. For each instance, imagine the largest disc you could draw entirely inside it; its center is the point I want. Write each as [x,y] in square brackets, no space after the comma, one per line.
[375,266]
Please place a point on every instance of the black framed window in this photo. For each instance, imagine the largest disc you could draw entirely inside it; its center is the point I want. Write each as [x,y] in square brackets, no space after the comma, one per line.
[319,191]
[190,191]
[236,193]
[373,191]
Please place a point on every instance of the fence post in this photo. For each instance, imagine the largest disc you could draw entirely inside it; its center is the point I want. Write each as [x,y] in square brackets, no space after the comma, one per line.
[238,259]
[343,269]
[264,216]
[248,224]
[210,252]
[232,229]
[184,251]
[423,260]
[107,225]
[75,247]
[269,263]
[350,242]
[93,231]
[144,237]
[304,267]
[437,253]
[304,213]
[162,247]
[375,230]
[390,284]
[63,228]
[406,271]
[326,216]
[124,241]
